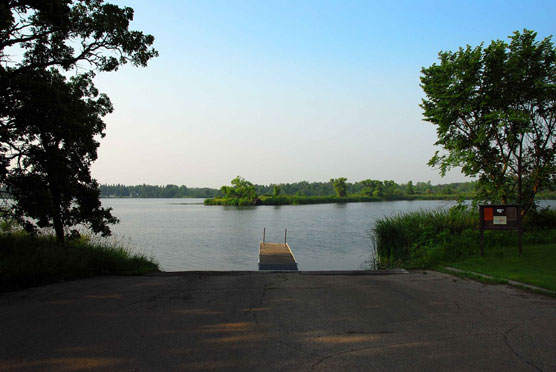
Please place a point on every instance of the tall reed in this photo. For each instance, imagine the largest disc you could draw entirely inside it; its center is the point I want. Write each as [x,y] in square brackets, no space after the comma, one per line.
[427,238]
[27,260]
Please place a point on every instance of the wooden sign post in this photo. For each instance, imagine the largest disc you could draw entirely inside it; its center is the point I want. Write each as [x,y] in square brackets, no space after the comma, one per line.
[500,217]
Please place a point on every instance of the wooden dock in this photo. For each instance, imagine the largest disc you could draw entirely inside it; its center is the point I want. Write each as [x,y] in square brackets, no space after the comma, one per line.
[276,256]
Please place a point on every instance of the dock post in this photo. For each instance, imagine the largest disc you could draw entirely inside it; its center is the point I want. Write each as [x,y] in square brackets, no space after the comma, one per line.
[285,236]
[264,233]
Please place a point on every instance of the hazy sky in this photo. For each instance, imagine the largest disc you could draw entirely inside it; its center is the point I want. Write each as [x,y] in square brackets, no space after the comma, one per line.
[285,91]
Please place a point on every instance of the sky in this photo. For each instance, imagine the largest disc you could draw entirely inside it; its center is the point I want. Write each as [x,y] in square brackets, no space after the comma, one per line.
[287,91]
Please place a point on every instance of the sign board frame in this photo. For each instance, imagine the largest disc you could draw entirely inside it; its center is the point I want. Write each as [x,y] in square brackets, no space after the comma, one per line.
[500,217]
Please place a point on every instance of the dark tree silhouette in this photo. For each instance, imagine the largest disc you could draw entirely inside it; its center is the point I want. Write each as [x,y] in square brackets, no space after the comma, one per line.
[48,124]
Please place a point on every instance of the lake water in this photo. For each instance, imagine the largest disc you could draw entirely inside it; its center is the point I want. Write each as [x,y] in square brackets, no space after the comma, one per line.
[183,234]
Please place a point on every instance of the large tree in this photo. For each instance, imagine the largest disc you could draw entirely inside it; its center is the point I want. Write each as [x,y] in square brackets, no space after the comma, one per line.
[340,187]
[49,124]
[494,109]
[242,192]
[59,122]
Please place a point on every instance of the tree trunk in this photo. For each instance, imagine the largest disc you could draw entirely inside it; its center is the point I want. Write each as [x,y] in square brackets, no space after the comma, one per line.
[57,217]
[520,198]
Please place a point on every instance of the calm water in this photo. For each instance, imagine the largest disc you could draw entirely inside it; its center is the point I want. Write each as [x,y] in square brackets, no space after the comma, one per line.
[183,234]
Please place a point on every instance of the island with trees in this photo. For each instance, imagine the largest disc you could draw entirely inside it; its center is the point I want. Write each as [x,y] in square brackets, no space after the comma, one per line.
[338,190]
[304,192]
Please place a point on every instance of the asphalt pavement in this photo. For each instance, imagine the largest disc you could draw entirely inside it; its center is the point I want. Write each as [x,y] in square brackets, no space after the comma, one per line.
[421,321]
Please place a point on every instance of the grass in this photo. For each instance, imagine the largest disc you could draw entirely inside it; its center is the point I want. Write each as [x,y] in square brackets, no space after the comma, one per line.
[433,239]
[27,261]
[536,266]
[424,239]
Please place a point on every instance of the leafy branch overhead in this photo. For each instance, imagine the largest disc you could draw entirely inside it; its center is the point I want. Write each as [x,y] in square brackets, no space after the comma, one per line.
[494,109]
[63,33]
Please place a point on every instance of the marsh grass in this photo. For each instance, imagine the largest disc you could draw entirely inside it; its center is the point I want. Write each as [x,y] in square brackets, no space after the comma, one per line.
[424,239]
[27,261]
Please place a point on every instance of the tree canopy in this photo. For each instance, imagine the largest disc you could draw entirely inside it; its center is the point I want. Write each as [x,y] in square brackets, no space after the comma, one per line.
[64,32]
[52,182]
[242,191]
[49,124]
[494,109]
[339,186]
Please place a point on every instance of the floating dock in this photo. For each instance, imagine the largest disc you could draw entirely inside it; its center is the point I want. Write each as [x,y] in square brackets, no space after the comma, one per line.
[276,256]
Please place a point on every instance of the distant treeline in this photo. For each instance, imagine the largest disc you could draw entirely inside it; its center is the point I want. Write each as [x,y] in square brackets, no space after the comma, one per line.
[374,188]
[368,187]
[150,191]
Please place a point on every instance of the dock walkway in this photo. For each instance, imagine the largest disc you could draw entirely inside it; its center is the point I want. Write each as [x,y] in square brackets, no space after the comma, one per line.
[276,256]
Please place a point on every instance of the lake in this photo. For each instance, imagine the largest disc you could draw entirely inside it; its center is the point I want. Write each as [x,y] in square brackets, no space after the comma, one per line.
[183,234]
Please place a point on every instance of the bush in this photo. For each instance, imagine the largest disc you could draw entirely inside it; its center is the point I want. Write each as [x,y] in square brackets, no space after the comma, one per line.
[541,219]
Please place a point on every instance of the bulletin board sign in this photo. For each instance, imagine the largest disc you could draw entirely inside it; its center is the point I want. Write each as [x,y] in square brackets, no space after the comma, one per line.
[500,217]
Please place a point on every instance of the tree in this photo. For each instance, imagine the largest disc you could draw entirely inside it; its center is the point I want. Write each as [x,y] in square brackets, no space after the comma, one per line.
[339,186]
[242,192]
[372,188]
[390,188]
[58,120]
[48,124]
[409,188]
[64,32]
[494,109]
[276,190]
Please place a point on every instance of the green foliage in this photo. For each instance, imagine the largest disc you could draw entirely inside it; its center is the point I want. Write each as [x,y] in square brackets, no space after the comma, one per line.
[303,188]
[427,238]
[276,190]
[301,200]
[242,192]
[294,200]
[421,190]
[339,185]
[409,188]
[543,219]
[49,125]
[149,191]
[57,121]
[27,260]
[99,35]
[412,238]
[494,111]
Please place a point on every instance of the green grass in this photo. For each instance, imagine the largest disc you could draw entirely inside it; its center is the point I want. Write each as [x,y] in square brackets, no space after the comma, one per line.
[536,266]
[433,239]
[27,261]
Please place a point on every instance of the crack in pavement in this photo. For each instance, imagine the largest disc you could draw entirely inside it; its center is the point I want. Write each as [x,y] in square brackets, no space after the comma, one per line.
[507,342]
[267,287]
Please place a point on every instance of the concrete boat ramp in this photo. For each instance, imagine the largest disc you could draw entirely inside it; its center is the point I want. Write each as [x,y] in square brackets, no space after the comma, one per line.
[276,321]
